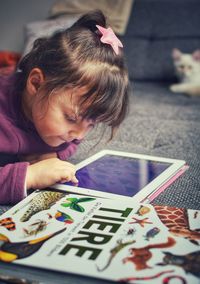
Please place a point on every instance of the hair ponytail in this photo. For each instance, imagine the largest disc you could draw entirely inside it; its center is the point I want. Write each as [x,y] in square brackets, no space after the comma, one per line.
[90,20]
[40,43]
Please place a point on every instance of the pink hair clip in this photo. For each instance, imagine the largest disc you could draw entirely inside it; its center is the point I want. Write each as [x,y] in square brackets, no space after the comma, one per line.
[109,37]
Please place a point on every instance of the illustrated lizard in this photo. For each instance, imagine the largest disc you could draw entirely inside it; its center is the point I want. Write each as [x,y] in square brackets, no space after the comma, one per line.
[114,252]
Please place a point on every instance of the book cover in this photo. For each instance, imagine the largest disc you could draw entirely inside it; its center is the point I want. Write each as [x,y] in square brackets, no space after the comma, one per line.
[117,240]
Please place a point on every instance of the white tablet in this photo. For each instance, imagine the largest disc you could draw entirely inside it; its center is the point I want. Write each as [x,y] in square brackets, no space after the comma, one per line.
[117,175]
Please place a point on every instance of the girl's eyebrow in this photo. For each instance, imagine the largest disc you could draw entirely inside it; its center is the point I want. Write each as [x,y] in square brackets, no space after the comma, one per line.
[73,113]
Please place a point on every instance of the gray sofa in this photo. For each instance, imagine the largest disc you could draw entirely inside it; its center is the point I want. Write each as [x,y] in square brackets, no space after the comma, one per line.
[155,27]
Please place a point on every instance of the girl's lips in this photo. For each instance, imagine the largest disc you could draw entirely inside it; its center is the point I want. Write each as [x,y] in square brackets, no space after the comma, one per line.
[75,141]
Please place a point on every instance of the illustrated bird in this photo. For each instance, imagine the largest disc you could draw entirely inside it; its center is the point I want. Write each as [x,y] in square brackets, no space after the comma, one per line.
[10,251]
[62,217]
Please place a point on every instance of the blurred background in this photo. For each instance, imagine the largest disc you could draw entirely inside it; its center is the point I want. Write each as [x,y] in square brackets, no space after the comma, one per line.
[150,29]
[15,15]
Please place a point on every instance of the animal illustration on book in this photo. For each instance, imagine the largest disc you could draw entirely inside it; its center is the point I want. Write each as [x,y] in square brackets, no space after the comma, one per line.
[10,251]
[189,262]
[42,201]
[140,256]
[115,251]
[73,203]
[166,280]
[176,220]
[8,223]
[143,210]
[35,228]
[152,233]
[140,222]
[62,217]
[130,231]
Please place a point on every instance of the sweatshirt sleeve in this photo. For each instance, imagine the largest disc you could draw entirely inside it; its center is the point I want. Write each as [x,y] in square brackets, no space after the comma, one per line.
[12,182]
[68,151]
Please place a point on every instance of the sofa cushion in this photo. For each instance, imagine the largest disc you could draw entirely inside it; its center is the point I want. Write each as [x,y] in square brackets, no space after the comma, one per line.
[150,59]
[155,28]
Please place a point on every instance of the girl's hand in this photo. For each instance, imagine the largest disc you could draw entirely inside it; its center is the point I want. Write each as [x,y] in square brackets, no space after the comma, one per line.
[48,172]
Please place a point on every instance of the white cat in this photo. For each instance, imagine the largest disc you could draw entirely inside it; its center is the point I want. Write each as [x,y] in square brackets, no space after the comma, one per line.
[187,67]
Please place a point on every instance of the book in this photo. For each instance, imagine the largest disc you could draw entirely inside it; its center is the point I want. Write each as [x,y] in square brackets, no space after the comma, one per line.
[117,240]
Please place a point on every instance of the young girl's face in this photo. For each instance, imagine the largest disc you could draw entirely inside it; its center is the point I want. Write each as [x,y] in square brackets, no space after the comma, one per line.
[57,119]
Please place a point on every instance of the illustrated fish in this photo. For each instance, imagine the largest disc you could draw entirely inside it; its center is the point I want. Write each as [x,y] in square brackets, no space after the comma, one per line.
[62,217]
[42,201]
[143,210]
[152,233]
[8,223]
[72,203]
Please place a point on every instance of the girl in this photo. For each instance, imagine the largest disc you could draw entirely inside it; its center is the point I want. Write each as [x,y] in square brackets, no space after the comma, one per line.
[63,87]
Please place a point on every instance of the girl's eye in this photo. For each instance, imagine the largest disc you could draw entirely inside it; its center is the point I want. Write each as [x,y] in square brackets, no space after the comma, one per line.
[91,125]
[70,118]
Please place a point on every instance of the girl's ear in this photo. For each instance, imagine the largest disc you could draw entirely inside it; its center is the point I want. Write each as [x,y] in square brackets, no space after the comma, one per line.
[34,81]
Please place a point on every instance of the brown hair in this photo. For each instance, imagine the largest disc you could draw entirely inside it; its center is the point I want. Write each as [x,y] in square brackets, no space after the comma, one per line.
[76,57]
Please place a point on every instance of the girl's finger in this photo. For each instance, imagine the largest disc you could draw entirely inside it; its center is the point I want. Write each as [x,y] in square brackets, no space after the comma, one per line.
[74,180]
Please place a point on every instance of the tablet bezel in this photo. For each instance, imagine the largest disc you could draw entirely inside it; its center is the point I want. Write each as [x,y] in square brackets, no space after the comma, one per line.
[143,194]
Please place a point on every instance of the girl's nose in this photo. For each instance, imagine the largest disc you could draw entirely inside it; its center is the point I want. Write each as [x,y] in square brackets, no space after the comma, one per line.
[79,135]
[78,132]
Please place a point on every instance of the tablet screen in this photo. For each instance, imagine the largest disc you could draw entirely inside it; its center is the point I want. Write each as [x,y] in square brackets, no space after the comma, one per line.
[119,175]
